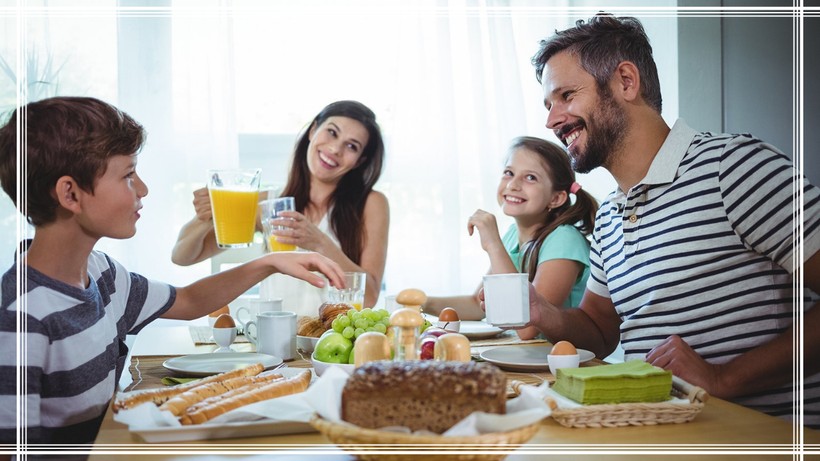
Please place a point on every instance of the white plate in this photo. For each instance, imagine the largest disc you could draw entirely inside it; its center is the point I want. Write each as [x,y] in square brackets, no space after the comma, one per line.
[218,362]
[476,329]
[525,358]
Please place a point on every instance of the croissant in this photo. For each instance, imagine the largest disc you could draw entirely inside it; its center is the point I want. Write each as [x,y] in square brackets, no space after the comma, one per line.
[328,312]
[310,326]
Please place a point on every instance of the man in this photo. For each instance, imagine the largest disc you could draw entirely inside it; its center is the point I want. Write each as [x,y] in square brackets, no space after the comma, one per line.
[692,256]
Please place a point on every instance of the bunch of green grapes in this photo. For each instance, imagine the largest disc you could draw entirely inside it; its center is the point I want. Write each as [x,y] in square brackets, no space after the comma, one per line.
[353,323]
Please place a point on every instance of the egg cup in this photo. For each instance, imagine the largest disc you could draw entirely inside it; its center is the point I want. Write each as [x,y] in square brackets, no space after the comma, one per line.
[451,327]
[224,337]
[562,361]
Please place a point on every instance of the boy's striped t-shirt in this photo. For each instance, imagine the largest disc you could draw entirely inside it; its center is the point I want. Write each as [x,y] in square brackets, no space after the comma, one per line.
[73,347]
[705,248]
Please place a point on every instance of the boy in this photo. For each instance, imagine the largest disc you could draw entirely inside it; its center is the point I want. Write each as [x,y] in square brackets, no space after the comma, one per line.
[79,304]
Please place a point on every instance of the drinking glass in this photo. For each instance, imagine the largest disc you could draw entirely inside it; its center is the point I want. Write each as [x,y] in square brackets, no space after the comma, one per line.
[234,195]
[353,294]
[270,210]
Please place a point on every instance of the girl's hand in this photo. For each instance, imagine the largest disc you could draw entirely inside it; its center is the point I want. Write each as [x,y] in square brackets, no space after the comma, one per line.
[487,229]
[202,204]
[299,231]
[301,264]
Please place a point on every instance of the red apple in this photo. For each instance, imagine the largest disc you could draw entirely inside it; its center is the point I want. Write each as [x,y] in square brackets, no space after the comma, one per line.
[434,332]
[427,347]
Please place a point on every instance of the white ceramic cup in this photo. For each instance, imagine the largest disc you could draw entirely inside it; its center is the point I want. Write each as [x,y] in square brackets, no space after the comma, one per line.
[256,306]
[507,299]
[273,333]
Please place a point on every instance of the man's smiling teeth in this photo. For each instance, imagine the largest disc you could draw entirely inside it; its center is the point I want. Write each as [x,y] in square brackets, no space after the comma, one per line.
[327,160]
[572,137]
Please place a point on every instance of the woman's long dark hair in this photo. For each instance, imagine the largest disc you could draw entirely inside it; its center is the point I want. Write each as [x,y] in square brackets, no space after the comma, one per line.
[580,214]
[348,200]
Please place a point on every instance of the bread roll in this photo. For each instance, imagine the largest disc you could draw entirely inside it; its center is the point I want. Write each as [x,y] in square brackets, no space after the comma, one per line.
[425,394]
[162,395]
[268,391]
[179,403]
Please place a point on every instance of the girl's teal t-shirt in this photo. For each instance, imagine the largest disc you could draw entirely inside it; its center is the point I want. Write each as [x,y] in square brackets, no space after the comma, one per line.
[565,242]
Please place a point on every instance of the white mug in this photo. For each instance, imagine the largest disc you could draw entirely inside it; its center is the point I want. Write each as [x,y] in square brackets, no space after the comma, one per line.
[507,299]
[273,333]
[257,306]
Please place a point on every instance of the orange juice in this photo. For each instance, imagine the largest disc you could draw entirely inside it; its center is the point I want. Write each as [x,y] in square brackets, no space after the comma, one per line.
[234,216]
[275,245]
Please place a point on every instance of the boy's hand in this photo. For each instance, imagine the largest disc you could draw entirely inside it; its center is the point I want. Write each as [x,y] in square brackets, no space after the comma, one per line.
[301,264]
[202,204]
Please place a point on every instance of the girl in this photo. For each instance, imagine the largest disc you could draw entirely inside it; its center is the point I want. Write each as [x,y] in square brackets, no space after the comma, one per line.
[336,162]
[548,239]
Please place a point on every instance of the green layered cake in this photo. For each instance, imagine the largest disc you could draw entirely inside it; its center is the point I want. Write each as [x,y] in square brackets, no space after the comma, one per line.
[633,381]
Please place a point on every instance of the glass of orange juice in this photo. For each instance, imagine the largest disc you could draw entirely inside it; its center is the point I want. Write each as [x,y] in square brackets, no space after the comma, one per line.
[269,210]
[234,195]
[353,294]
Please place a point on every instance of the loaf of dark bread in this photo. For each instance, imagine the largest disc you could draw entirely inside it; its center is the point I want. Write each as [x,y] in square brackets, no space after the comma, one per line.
[423,394]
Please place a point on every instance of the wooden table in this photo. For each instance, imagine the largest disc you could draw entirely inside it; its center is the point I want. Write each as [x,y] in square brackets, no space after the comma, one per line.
[721,431]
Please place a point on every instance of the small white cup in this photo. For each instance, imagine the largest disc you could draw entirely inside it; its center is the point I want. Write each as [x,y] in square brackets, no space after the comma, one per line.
[562,361]
[507,300]
[257,306]
[273,333]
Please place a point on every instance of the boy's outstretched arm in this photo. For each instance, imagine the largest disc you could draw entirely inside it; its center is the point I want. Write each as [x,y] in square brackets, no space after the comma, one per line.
[209,294]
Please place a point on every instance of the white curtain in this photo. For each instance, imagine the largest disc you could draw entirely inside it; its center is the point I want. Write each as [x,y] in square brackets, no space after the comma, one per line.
[450,82]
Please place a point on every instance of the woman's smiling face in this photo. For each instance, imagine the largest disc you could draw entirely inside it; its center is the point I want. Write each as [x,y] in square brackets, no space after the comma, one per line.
[336,147]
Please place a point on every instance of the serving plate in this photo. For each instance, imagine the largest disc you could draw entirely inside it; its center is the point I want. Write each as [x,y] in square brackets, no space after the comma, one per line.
[476,329]
[218,362]
[525,358]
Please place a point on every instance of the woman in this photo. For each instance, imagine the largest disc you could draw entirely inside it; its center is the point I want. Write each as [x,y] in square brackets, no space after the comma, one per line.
[336,162]
[548,238]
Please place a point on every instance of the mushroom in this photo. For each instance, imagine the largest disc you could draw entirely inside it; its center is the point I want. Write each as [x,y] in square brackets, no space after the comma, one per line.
[411,298]
[406,321]
[453,347]
[369,347]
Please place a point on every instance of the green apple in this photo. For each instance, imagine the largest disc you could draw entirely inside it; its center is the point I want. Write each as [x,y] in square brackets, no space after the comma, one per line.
[352,359]
[425,325]
[333,348]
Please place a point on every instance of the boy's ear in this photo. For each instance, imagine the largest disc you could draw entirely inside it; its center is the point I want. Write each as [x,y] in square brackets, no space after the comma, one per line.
[67,193]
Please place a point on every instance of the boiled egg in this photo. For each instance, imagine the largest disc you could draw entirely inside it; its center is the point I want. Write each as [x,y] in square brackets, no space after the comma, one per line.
[563,348]
[225,321]
[448,314]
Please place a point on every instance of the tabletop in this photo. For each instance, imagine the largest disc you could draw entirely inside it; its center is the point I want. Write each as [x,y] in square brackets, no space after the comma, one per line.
[720,431]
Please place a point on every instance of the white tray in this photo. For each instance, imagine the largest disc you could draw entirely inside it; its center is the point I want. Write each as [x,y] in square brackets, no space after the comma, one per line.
[222,431]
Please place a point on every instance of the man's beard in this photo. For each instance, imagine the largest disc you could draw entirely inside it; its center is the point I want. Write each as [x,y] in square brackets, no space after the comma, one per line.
[606,131]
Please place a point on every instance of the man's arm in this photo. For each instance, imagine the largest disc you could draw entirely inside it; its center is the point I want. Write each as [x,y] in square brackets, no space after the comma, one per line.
[594,326]
[764,367]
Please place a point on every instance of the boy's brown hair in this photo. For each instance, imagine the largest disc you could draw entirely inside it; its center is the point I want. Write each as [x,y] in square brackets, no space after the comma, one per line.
[64,136]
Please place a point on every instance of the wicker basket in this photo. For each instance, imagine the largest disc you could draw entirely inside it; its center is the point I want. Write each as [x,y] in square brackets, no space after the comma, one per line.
[372,444]
[637,414]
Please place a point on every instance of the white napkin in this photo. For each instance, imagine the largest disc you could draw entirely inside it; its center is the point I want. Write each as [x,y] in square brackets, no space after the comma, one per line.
[324,397]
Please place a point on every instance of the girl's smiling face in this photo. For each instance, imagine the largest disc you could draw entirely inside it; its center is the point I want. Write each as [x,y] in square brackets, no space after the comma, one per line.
[525,191]
[336,147]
